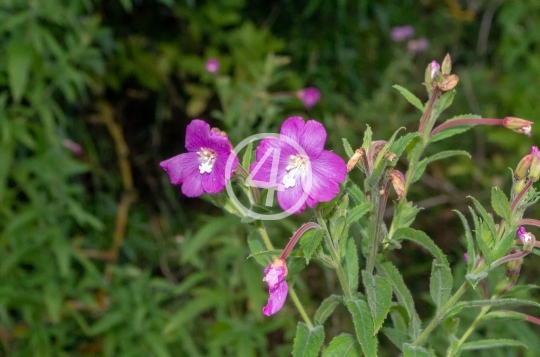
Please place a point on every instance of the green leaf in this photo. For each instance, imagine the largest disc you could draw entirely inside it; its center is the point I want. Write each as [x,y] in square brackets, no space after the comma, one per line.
[19,58]
[506,315]
[485,344]
[405,215]
[444,102]
[422,239]
[484,247]
[309,242]
[379,297]
[246,159]
[403,295]
[363,324]
[488,219]
[6,158]
[505,244]
[107,322]
[455,129]
[470,243]
[266,253]
[351,265]
[337,228]
[357,212]
[326,308]
[355,192]
[439,156]
[414,351]
[256,246]
[366,144]
[395,336]
[411,98]
[496,302]
[348,148]
[500,204]
[308,342]
[440,284]
[400,144]
[343,345]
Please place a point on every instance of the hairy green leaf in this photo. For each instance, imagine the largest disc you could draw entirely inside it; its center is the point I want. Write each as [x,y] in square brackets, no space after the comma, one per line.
[357,212]
[440,284]
[453,130]
[411,98]
[363,324]
[348,148]
[495,343]
[439,156]
[395,336]
[414,351]
[379,297]
[500,204]
[351,265]
[309,242]
[343,345]
[422,239]
[327,307]
[308,342]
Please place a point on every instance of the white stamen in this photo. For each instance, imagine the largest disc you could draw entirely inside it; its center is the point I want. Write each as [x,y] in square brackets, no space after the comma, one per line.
[297,165]
[207,158]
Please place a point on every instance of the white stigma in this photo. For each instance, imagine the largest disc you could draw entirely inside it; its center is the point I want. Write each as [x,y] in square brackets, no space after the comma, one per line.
[297,165]
[207,159]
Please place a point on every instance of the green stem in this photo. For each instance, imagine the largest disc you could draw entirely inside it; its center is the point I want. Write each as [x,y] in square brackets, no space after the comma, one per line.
[379,209]
[438,317]
[475,323]
[334,254]
[266,239]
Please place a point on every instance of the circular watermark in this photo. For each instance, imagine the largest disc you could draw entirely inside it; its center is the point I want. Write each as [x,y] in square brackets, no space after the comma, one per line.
[273,186]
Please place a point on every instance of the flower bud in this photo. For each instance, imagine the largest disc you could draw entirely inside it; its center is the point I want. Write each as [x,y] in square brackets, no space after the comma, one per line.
[398,181]
[431,70]
[518,125]
[212,65]
[534,170]
[449,83]
[519,185]
[523,166]
[446,65]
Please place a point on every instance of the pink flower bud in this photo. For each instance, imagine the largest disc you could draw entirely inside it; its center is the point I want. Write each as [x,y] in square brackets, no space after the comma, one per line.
[435,66]
[518,125]
[534,170]
[398,181]
[522,168]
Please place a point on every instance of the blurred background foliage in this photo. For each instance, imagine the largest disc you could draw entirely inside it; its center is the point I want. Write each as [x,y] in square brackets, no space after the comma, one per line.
[101,256]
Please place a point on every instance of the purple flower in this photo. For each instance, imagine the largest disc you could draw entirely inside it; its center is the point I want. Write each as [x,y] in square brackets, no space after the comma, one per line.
[297,164]
[275,275]
[202,169]
[212,65]
[73,146]
[419,45]
[524,236]
[400,33]
[309,96]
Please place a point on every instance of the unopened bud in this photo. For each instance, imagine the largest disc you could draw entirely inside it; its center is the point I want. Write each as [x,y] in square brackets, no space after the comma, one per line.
[431,71]
[518,125]
[358,153]
[523,166]
[398,181]
[519,185]
[534,170]
[449,83]
[446,65]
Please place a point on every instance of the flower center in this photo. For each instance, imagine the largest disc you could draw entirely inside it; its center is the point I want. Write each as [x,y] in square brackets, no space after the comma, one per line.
[297,166]
[207,158]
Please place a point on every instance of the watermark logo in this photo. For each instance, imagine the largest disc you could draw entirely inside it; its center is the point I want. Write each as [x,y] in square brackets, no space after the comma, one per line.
[273,156]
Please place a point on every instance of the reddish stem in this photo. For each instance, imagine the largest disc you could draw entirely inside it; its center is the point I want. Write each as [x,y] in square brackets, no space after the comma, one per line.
[466,121]
[297,236]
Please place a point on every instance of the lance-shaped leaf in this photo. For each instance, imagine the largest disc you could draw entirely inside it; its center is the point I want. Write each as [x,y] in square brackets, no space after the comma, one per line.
[379,297]
[348,148]
[308,342]
[327,307]
[422,239]
[440,284]
[395,336]
[357,212]
[351,265]
[488,219]
[411,98]
[355,192]
[343,345]
[398,146]
[500,204]
[482,244]
[256,246]
[485,344]
[439,156]
[471,252]
[403,295]
[363,324]
[444,102]
[454,130]
[496,302]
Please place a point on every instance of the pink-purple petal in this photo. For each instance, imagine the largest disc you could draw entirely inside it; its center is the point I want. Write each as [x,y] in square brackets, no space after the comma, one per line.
[313,138]
[277,299]
[192,186]
[292,128]
[327,172]
[177,167]
[288,198]
[197,135]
